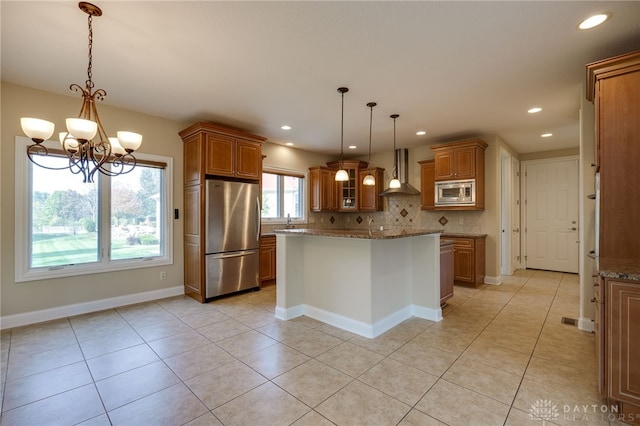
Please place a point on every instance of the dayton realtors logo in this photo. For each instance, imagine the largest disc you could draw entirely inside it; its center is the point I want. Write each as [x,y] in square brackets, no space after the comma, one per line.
[544,410]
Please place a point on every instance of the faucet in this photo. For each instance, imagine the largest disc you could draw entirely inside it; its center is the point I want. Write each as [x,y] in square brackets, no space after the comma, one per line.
[289,226]
[370,220]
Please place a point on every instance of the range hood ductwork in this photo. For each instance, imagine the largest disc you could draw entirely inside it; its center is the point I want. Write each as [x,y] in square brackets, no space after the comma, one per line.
[402,162]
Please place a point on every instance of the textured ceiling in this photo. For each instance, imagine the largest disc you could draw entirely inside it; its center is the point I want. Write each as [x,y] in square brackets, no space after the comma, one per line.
[453,69]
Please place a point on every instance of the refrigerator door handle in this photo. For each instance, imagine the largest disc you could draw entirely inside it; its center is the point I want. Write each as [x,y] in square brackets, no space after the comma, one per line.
[258,215]
[229,255]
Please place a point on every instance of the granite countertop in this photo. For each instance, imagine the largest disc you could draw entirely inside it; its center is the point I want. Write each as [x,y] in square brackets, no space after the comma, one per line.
[621,268]
[462,235]
[357,233]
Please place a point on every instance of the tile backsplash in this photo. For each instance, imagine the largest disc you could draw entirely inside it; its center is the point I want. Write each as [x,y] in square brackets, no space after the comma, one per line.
[400,212]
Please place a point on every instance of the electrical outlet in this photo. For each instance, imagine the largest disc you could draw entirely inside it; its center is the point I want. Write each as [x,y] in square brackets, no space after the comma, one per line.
[163,275]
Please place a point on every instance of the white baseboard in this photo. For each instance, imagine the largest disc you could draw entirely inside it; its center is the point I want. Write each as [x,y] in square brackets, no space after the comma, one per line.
[18,320]
[493,280]
[358,327]
[289,313]
[427,313]
[586,324]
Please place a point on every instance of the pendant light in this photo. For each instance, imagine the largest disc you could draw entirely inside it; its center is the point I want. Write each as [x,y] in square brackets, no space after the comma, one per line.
[369,179]
[394,183]
[342,175]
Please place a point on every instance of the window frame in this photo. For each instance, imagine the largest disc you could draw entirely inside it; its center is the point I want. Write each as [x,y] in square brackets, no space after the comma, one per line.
[304,197]
[23,210]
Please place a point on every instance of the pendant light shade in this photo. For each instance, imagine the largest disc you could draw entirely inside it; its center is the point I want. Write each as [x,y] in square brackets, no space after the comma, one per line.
[342,175]
[394,183]
[369,180]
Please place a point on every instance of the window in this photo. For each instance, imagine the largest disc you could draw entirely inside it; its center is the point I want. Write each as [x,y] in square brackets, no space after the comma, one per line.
[66,227]
[282,196]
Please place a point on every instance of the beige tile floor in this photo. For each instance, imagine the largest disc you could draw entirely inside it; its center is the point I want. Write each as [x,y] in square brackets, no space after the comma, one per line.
[498,350]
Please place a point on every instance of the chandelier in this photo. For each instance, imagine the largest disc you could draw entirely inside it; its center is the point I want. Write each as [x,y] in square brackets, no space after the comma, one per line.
[85,143]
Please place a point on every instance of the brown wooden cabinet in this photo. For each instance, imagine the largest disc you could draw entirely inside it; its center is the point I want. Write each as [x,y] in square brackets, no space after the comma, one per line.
[618,346]
[369,199]
[348,192]
[623,349]
[322,189]
[446,271]
[615,87]
[211,150]
[267,260]
[325,194]
[427,184]
[463,160]
[459,160]
[468,259]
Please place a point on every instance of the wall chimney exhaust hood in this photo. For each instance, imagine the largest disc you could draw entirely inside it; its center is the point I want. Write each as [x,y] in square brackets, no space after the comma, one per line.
[402,162]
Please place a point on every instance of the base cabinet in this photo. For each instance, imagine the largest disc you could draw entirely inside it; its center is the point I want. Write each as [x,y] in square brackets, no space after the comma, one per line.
[446,271]
[468,260]
[267,260]
[621,352]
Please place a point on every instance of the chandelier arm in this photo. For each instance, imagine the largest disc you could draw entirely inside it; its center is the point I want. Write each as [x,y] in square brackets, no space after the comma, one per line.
[37,150]
[123,164]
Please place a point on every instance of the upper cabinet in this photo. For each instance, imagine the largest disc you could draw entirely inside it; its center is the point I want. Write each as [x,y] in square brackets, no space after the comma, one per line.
[459,160]
[214,150]
[350,196]
[427,184]
[369,195]
[322,189]
[455,161]
[614,86]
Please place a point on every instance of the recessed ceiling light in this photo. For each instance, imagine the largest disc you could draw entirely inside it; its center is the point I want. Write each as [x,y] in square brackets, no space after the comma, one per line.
[594,21]
[289,144]
[421,133]
[352,147]
[534,110]
[546,135]
[285,127]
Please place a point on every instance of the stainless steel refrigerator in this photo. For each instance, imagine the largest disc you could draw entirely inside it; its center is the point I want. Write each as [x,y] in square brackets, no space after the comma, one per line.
[232,237]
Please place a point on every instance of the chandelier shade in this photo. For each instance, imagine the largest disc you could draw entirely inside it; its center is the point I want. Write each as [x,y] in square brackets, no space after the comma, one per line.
[85,143]
[37,129]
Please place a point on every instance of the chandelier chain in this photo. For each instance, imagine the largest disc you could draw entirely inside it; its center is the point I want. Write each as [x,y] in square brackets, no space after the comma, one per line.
[90,67]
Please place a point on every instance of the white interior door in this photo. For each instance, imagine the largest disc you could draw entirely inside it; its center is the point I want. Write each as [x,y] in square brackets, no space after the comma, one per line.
[552,215]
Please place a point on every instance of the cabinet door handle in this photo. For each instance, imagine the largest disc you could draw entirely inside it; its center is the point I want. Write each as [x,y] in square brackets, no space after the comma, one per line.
[593,300]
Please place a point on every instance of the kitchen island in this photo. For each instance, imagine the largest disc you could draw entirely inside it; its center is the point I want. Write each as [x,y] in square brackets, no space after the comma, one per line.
[362,282]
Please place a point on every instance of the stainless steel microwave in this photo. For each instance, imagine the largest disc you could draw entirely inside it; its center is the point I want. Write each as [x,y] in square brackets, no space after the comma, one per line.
[455,193]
